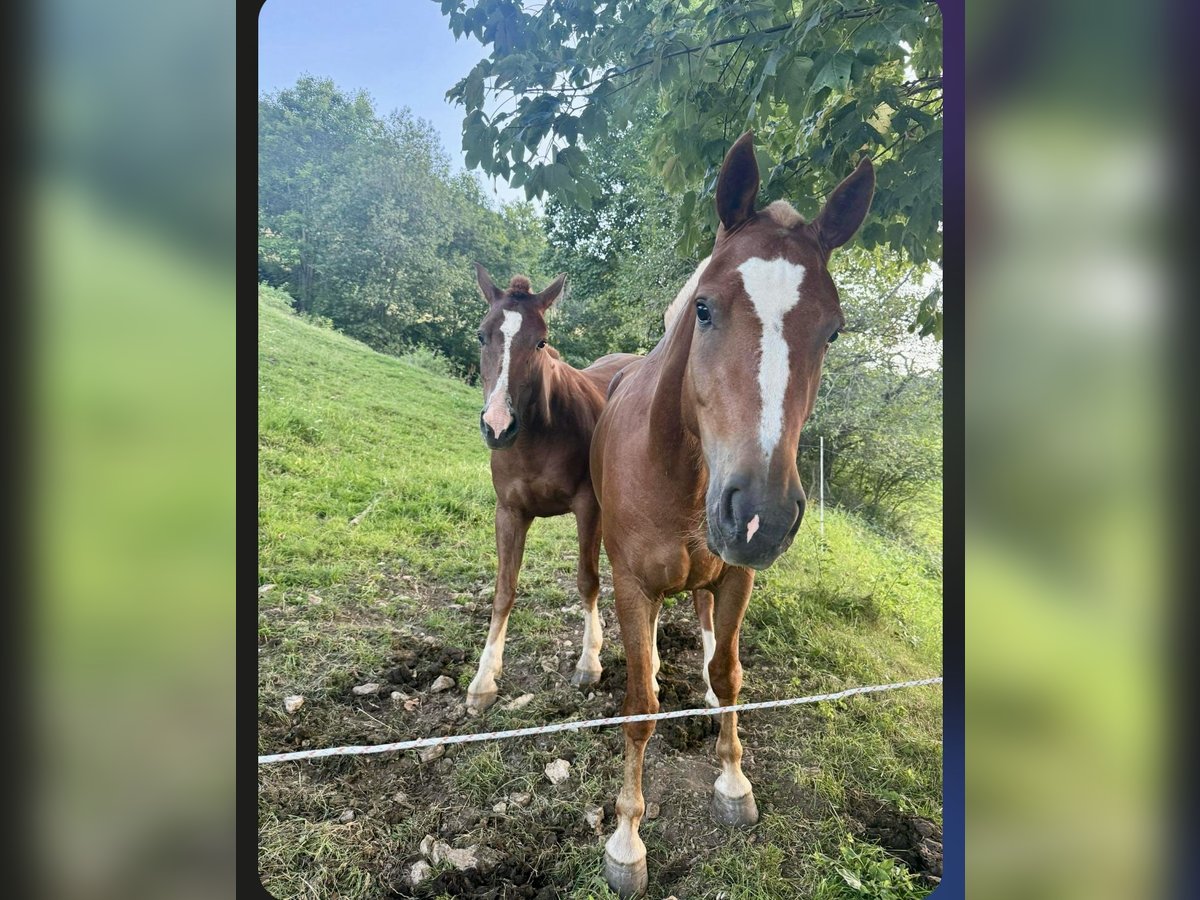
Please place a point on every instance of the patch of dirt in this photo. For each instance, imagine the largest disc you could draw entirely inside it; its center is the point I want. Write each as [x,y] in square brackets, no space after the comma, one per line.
[915,841]
[416,668]
[512,878]
[519,846]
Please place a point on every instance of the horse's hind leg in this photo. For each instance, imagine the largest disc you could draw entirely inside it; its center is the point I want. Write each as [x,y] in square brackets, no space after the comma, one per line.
[703,601]
[733,798]
[587,523]
[511,528]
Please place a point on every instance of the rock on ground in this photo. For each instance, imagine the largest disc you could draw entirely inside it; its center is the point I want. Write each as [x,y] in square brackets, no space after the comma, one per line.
[558,771]
[438,851]
[595,818]
[419,872]
[293,703]
[364,690]
[429,754]
[519,702]
[442,683]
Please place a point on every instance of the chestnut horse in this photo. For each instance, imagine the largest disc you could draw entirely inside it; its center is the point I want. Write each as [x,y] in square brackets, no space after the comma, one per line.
[538,418]
[694,457]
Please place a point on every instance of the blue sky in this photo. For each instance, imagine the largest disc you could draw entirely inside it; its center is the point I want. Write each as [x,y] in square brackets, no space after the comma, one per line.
[401,52]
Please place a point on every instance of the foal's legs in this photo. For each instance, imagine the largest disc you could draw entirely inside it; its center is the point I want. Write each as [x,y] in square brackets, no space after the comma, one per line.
[703,601]
[733,798]
[625,854]
[511,528]
[587,523]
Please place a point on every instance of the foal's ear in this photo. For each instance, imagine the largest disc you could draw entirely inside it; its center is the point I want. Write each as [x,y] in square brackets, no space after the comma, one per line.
[487,287]
[737,188]
[846,207]
[547,297]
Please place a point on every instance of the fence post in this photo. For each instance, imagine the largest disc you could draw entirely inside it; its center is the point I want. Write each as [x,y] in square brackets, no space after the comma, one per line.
[821,488]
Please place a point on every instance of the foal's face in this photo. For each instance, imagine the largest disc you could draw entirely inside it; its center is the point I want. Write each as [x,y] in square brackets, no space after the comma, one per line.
[764,312]
[512,339]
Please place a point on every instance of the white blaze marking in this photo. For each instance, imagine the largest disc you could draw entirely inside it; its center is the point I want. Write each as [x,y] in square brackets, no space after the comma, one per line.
[774,289]
[751,528]
[496,415]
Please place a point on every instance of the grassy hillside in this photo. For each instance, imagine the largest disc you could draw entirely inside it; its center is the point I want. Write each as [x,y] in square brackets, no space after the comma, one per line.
[376,549]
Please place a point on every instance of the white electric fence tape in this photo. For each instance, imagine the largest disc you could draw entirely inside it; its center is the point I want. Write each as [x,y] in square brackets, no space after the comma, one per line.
[588,723]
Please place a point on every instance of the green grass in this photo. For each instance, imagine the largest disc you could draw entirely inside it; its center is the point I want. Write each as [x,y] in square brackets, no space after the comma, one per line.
[376,518]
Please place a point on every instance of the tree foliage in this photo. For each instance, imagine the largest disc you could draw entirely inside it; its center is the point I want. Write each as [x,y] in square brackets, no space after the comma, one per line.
[362,221]
[821,83]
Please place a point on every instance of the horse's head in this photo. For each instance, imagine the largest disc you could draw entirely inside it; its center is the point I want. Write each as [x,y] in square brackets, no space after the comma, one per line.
[763,311]
[513,339]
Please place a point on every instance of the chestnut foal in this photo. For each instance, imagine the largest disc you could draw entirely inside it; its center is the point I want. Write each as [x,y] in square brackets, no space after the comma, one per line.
[694,457]
[538,418]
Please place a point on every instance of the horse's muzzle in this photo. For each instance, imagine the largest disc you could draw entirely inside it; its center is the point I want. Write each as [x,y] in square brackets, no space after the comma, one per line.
[748,528]
[505,439]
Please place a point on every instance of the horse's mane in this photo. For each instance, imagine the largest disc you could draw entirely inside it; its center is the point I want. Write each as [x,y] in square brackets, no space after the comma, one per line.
[685,292]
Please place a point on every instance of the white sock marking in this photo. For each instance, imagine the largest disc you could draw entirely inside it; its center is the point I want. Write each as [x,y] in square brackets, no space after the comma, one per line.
[732,783]
[710,647]
[593,636]
[491,663]
[496,415]
[774,289]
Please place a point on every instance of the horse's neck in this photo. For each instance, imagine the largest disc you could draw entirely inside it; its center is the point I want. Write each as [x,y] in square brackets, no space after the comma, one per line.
[672,436]
[558,390]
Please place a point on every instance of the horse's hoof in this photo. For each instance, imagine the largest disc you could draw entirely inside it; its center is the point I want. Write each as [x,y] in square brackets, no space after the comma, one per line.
[480,702]
[738,812]
[627,879]
[584,677]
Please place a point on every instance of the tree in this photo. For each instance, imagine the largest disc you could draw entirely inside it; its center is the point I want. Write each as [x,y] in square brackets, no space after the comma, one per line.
[820,82]
[361,220]
[879,407]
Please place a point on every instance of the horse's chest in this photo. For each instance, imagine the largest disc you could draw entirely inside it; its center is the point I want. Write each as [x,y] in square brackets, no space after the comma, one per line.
[536,498]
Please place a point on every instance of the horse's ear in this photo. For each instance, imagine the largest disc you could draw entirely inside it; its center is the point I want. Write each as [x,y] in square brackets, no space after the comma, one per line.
[487,287]
[737,187]
[846,207]
[546,298]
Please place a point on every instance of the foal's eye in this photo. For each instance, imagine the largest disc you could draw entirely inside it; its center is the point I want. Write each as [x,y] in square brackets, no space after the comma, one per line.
[833,337]
[541,344]
[703,316]
[482,339]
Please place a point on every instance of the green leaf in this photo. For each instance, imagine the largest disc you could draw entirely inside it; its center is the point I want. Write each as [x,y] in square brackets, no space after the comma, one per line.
[472,92]
[834,74]
[850,878]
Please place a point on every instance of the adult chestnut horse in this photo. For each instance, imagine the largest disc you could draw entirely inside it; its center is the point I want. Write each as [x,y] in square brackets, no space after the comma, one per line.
[538,418]
[694,457]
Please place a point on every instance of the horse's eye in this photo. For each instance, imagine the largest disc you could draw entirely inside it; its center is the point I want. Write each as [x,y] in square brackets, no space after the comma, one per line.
[482,339]
[541,344]
[833,337]
[703,316]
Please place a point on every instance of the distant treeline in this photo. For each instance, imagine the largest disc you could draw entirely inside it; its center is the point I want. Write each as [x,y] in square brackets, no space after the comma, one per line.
[363,222]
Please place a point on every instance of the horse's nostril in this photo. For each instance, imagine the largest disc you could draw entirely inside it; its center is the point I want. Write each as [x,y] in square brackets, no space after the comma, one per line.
[727,496]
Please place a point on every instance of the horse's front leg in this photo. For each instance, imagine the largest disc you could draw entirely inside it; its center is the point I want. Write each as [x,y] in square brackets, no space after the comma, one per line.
[703,601]
[587,524]
[625,853]
[511,528]
[733,798]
